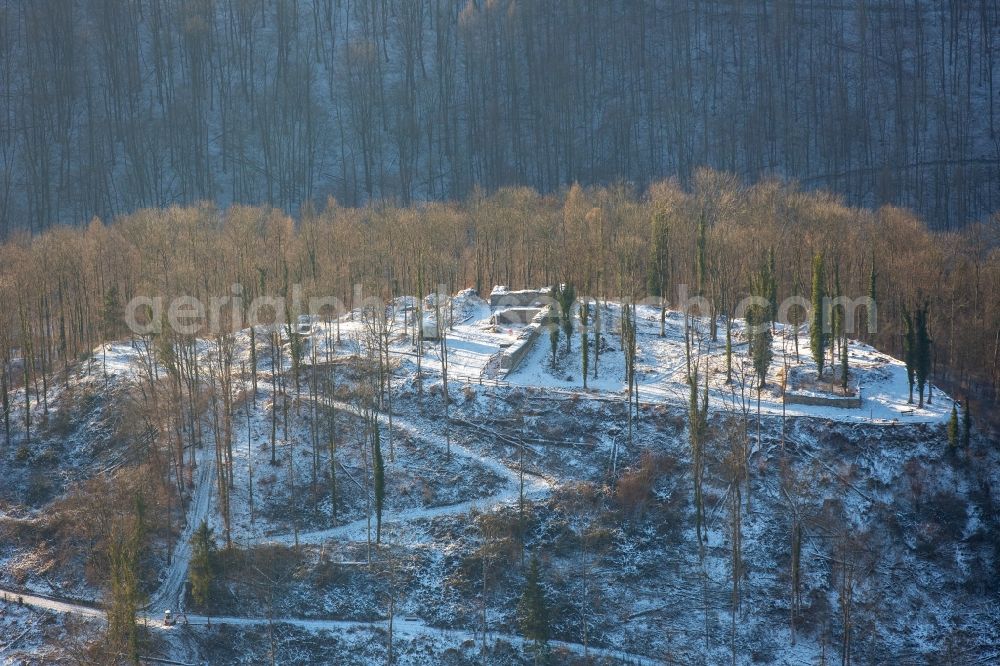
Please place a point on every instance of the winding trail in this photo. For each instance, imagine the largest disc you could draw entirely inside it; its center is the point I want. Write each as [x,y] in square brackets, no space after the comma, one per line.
[169,595]
[535,487]
[50,603]
[170,591]
[407,627]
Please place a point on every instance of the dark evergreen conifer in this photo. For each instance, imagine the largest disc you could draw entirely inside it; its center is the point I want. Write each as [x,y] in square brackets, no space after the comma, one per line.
[533,611]
[953,428]
[909,351]
[201,572]
[923,353]
[966,424]
[816,333]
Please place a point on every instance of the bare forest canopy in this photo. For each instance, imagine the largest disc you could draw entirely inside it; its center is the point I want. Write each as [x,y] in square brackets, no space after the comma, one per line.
[65,290]
[109,106]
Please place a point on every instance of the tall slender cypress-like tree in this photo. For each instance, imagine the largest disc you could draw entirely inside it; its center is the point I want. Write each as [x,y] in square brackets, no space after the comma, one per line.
[697,426]
[966,424]
[729,349]
[760,320]
[203,566]
[844,369]
[909,351]
[923,353]
[533,612]
[872,293]
[702,257]
[554,340]
[378,468]
[111,318]
[565,295]
[772,288]
[125,553]
[836,318]
[953,428]
[659,266]
[816,334]
[760,348]
[584,339]
[796,316]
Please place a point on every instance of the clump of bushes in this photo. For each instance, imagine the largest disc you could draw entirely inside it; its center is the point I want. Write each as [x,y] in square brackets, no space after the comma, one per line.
[634,490]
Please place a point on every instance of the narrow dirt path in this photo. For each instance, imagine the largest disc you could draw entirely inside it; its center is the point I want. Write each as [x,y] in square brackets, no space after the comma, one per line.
[170,592]
[405,627]
[535,487]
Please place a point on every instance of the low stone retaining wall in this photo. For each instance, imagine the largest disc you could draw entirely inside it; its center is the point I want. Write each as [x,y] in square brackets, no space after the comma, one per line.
[822,401]
[512,356]
[803,389]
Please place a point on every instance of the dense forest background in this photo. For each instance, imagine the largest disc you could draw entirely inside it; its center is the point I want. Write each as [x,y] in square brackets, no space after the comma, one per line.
[108,106]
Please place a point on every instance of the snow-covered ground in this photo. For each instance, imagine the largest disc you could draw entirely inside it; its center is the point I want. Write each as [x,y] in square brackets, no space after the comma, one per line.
[445,471]
[661,363]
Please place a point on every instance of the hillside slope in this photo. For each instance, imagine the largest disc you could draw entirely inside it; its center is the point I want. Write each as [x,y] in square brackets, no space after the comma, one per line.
[110,109]
[893,532]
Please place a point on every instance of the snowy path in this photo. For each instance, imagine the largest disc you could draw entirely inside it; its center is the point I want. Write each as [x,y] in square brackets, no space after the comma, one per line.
[535,487]
[407,627]
[49,603]
[169,593]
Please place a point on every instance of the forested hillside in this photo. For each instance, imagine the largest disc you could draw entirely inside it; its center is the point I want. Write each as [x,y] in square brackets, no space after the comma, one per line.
[68,288]
[111,106]
[646,485]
